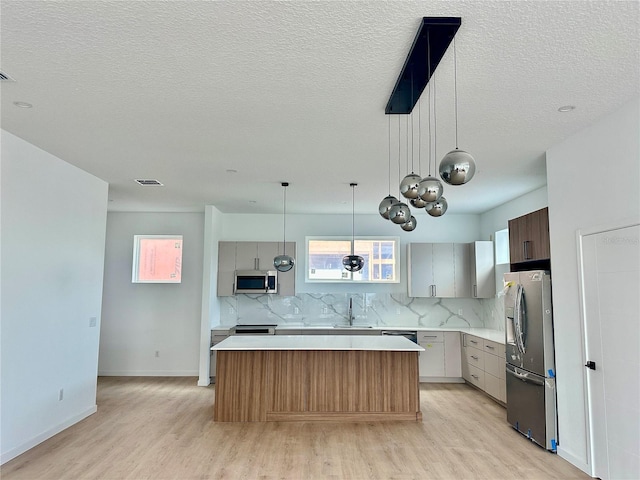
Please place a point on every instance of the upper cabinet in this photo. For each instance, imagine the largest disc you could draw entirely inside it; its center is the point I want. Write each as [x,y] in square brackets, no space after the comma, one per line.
[438,270]
[234,256]
[529,241]
[482,269]
[451,270]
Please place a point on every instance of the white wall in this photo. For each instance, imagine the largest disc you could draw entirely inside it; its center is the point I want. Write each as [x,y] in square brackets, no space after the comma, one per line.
[53,234]
[593,178]
[140,319]
[498,218]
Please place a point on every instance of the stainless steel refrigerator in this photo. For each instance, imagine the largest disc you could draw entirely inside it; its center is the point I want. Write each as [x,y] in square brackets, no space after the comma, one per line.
[530,361]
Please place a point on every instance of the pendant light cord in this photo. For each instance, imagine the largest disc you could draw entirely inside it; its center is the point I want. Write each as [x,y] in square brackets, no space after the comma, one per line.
[455,86]
[389,142]
[429,93]
[412,142]
[284,220]
[399,179]
[353,217]
[419,137]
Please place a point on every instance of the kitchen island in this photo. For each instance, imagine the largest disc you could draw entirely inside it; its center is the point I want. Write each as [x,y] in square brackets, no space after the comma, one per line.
[316,378]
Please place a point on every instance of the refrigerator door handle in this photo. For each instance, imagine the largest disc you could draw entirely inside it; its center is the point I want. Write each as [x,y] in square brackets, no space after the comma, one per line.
[520,321]
[525,377]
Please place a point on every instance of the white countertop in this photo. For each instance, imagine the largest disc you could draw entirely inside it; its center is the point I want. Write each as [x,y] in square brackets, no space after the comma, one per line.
[318,342]
[485,333]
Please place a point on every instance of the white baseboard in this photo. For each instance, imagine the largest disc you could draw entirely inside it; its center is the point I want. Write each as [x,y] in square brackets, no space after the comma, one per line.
[149,373]
[441,380]
[20,449]
[575,461]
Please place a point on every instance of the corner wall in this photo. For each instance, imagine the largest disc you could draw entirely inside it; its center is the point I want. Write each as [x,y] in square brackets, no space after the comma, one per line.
[53,222]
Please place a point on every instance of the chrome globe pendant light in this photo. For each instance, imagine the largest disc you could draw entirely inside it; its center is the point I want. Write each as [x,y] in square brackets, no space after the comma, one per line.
[353,263]
[438,207]
[388,201]
[430,188]
[418,202]
[399,212]
[284,262]
[457,167]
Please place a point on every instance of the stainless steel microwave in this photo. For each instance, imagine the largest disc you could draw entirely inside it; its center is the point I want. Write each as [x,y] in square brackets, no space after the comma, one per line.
[255,281]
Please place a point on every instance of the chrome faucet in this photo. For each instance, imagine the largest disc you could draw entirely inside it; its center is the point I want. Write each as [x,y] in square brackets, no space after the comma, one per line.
[350,312]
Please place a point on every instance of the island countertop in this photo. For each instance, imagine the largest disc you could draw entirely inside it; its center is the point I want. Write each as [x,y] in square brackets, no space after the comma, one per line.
[318,342]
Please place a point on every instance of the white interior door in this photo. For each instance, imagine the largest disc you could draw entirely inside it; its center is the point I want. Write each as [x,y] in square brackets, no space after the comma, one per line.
[611,305]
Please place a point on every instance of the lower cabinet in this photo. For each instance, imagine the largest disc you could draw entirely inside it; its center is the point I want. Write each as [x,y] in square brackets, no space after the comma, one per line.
[483,365]
[440,362]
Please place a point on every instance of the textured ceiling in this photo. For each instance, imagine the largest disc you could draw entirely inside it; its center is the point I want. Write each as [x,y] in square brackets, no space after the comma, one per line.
[295,91]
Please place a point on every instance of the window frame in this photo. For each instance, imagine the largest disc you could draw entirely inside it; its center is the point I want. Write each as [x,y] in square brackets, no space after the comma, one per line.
[135,270]
[350,278]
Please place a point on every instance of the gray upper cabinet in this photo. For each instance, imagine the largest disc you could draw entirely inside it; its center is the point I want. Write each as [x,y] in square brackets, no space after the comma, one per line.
[234,256]
[482,269]
[432,269]
[450,270]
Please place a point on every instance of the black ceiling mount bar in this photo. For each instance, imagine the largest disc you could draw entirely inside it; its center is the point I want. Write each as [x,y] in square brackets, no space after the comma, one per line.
[441,32]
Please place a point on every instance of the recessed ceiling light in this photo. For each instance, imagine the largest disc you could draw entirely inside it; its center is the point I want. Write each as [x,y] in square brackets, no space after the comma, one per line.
[566,108]
[22,104]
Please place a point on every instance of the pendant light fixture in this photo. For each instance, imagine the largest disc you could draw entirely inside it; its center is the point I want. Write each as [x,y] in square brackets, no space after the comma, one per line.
[388,201]
[353,262]
[409,184]
[284,262]
[399,212]
[418,202]
[457,167]
[430,188]
[438,207]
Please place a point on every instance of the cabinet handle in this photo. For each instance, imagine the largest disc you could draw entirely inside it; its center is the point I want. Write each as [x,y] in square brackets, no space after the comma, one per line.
[489,346]
[475,291]
[473,341]
[430,336]
[476,377]
[525,245]
[474,357]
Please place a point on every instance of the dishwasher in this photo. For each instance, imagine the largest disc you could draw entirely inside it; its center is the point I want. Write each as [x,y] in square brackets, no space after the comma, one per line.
[410,334]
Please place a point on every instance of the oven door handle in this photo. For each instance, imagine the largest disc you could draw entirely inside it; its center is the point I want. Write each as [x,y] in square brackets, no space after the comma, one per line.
[525,377]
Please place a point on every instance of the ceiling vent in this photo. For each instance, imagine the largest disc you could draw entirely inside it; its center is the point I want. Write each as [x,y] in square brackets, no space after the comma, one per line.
[5,78]
[149,183]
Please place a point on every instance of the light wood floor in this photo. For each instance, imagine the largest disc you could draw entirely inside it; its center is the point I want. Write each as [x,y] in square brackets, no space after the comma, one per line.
[162,428]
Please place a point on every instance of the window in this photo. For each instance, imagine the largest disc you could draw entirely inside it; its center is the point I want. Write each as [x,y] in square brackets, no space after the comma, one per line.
[157,259]
[324,259]
[502,246]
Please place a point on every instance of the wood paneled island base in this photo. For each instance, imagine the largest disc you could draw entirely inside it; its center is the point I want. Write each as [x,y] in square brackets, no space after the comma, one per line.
[316,385]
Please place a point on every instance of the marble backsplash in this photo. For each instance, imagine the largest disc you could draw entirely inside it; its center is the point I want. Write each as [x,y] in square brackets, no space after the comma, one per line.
[375,309]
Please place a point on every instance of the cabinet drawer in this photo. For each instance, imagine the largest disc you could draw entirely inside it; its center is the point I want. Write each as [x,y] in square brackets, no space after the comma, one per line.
[494,386]
[475,357]
[471,341]
[430,337]
[494,365]
[494,348]
[476,377]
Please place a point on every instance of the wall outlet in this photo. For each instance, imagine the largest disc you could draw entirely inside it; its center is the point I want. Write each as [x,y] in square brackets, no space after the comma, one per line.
[296,311]
[460,312]
[93,321]
[61,394]
[157,353]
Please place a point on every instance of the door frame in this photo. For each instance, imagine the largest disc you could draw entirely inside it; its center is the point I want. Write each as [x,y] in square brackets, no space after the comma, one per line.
[580,234]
